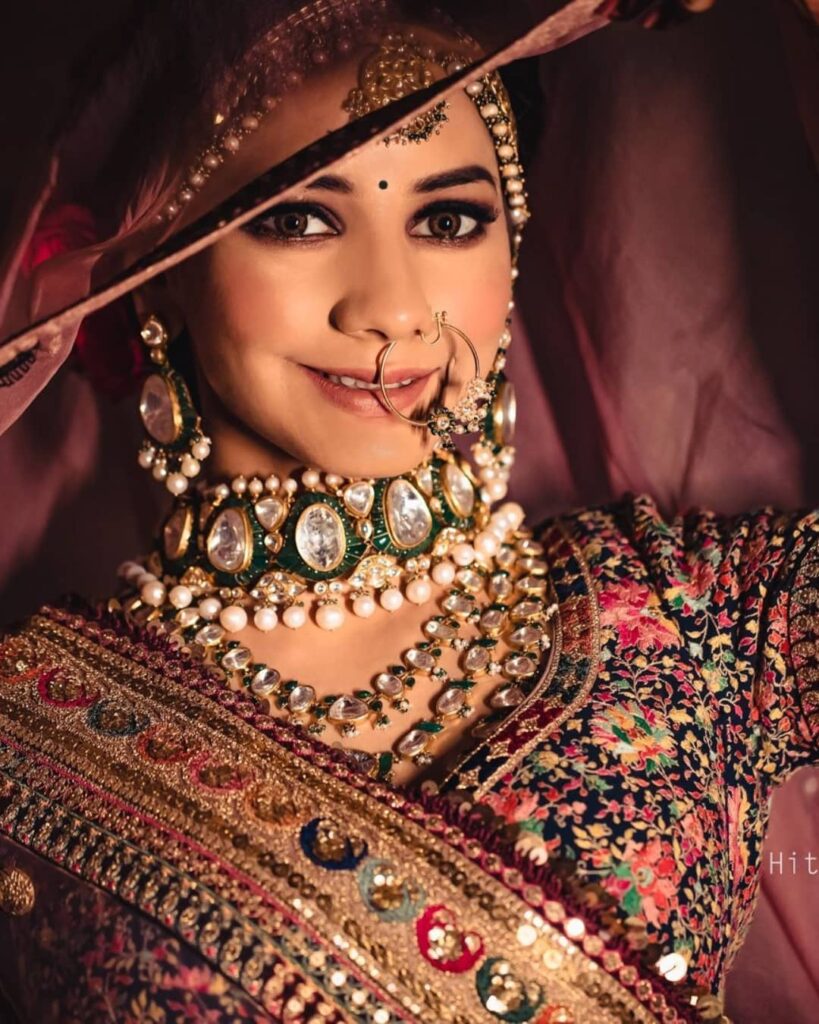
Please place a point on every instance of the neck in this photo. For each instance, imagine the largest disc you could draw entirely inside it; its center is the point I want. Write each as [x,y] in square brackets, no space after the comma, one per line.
[238,449]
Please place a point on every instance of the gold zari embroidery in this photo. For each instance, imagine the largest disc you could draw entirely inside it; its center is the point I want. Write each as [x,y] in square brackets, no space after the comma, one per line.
[154,792]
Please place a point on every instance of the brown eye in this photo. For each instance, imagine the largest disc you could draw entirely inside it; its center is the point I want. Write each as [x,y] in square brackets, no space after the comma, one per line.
[449,223]
[445,225]
[291,224]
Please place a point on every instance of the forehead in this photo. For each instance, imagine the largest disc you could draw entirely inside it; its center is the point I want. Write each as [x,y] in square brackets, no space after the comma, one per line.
[315,108]
[462,139]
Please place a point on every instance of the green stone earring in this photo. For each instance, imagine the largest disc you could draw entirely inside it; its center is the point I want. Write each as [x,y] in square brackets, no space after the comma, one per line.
[175,446]
[494,454]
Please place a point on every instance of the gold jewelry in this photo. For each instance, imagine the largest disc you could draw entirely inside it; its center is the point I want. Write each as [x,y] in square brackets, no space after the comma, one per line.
[503,414]
[437,338]
[469,411]
[422,126]
[260,549]
[499,593]
[399,67]
[492,100]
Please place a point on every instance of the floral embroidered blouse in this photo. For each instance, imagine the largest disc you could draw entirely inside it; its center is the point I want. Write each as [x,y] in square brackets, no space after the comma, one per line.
[700,698]
[681,689]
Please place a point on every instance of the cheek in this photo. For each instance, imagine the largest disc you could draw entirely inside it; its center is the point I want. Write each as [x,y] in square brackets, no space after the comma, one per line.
[259,304]
[483,295]
[251,307]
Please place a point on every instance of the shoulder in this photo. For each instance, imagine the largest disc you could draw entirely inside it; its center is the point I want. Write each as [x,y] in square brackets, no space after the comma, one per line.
[633,528]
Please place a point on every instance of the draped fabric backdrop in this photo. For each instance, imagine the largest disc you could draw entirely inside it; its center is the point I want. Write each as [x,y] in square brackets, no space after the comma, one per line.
[666,341]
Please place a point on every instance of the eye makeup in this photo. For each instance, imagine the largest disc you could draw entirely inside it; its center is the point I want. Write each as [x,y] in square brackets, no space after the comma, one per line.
[307,223]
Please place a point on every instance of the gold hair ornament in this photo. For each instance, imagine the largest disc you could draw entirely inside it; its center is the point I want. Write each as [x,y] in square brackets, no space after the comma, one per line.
[399,67]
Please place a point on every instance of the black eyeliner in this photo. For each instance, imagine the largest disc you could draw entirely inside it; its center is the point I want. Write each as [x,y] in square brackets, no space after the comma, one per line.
[484,213]
[481,213]
[257,229]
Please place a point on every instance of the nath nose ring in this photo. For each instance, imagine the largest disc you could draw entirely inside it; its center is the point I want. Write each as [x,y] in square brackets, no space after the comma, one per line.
[469,411]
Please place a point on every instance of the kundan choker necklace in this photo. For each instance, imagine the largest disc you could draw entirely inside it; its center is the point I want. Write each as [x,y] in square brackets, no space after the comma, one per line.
[266,550]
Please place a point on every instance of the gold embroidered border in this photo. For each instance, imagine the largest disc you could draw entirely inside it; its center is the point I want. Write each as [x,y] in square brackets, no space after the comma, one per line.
[565,684]
[259,870]
[588,631]
[231,942]
[489,743]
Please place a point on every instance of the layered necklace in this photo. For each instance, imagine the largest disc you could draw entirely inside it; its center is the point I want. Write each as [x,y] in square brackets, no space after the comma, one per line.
[273,552]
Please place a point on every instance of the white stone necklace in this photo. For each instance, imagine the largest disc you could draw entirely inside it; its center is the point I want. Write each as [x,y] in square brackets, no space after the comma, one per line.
[258,549]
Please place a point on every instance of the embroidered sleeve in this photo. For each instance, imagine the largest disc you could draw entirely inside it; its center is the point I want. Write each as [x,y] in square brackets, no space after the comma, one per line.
[741,591]
[804,638]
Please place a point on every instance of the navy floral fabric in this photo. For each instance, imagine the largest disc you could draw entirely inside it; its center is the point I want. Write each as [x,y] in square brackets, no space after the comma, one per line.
[658,787]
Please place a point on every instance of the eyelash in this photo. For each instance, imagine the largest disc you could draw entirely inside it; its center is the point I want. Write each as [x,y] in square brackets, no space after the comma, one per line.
[481,213]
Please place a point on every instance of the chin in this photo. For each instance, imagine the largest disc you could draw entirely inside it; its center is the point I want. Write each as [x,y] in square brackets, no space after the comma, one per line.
[336,442]
[369,462]
[363,453]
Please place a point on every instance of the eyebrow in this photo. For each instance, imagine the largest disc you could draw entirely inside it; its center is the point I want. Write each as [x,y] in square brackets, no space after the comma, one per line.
[457,176]
[430,183]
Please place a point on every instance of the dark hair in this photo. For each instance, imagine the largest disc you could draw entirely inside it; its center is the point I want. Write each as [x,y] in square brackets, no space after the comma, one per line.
[522,82]
[182,359]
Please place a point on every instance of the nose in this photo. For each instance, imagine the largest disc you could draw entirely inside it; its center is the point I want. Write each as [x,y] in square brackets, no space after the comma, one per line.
[384,300]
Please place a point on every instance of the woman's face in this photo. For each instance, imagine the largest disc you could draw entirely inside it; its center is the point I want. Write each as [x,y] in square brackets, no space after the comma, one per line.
[290,314]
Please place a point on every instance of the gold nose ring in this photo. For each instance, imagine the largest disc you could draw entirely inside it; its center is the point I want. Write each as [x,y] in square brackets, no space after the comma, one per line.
[469,410]
[440,319]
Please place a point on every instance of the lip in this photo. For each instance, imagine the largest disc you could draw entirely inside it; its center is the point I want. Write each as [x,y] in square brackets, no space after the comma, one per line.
[370,403]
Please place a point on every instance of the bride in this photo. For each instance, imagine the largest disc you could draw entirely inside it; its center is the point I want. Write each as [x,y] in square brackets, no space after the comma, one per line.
[355,741]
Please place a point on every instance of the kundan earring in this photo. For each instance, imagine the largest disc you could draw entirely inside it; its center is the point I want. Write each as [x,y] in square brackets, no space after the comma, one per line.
[175,446]
[468,413]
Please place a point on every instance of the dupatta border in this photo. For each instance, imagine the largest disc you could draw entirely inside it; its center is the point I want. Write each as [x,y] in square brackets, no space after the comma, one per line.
[87,723]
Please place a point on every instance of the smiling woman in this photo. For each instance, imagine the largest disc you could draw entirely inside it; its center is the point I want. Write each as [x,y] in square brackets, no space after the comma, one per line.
[312,290]
[353,741]
[342,305]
